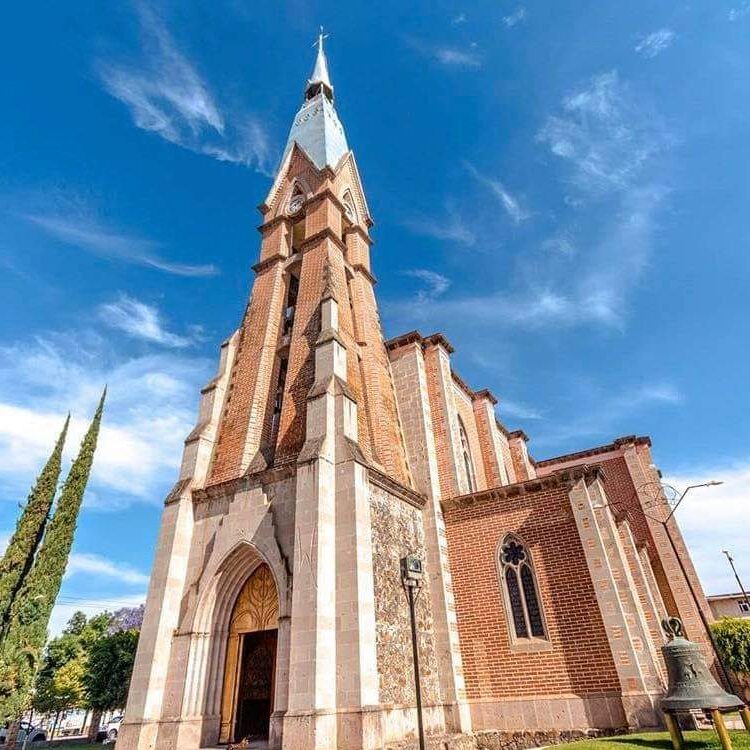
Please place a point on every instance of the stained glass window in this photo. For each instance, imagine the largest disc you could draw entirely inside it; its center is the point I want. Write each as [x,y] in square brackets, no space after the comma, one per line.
[520,584]
[532,603]
[516,605]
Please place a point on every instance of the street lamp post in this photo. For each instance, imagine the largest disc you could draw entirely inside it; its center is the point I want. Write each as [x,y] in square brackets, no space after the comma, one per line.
[737,577]
[412,574]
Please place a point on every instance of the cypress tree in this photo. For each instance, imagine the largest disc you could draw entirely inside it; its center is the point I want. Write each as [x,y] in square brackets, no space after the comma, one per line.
[19,555]
[21,647]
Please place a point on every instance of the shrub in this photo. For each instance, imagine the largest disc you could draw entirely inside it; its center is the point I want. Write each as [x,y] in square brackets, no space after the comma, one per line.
[733,638]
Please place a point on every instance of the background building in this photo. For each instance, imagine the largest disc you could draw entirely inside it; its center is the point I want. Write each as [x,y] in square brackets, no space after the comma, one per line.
[322,455]
[729,605]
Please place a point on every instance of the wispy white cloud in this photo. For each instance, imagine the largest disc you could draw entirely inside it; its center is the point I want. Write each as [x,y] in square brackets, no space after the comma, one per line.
[655,43]
[96,565]
[585,272]
[459,19]
[449,228]
[150,408]
[141,321]
[457,58]
[436,284]
[596,295]
[519,410]
[603,412]
[78,228]
[166,95]
[561,243]
[450,56]
[741,11]
[516,17]
[724,505]
[507,200]
[604,135]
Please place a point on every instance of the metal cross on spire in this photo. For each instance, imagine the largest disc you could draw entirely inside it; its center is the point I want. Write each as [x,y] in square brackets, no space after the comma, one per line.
[319,40]
[320,77]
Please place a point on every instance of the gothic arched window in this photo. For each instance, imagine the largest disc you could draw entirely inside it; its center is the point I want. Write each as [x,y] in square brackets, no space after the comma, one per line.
[522,596]
[466,453]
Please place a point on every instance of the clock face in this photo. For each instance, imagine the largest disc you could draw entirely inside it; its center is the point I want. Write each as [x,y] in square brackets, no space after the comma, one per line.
[296,204]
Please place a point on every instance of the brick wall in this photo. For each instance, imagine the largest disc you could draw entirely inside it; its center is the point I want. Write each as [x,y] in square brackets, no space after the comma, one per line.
[630,481]
[580,660]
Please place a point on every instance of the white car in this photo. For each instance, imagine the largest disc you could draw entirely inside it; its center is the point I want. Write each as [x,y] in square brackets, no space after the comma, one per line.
[36,734]
[113,727]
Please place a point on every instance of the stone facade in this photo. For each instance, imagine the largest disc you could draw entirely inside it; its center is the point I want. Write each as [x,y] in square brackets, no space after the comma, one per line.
[397,531]
[322,455]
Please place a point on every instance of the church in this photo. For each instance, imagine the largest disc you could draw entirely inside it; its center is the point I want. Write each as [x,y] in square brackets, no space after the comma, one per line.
[322,455]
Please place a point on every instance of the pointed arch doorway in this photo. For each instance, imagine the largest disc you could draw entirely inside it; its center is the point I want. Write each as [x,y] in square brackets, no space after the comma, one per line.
[250,667]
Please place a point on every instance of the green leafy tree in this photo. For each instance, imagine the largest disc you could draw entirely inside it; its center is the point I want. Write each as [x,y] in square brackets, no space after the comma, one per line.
[108,672]
[60,680]
[21,647]
[733,638]
[19,555]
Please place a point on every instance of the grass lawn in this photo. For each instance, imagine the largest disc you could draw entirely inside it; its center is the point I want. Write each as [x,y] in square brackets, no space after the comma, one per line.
[703,740]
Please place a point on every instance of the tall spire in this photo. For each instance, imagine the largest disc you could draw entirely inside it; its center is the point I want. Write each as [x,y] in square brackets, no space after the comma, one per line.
[320,79]
[317,129]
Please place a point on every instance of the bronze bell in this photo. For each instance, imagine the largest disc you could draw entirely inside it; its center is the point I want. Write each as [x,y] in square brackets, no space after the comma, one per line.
[691,684]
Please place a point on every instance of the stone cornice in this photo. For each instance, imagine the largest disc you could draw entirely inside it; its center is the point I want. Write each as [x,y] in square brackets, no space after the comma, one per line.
[408,495]
[360,268]
[519,434]
[289,469]
[438,339]
[413,337]
[243,483]
[435,339]
[329,334]
[615,445]
[325,233]
[271,223]
[357,229]
[563,479]
[485,393]
[262,265]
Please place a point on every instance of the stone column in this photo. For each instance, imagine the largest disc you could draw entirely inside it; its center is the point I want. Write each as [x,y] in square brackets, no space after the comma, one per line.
[451,471]
[645,479]
[410,382]
[146,697]
[489,438]
[143,712]
[638,704]
[311,721]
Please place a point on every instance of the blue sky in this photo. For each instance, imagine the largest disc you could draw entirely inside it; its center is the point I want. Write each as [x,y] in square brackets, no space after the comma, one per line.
[561,188]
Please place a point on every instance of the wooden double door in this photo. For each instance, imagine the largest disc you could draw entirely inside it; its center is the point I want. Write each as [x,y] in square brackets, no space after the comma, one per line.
[255,685]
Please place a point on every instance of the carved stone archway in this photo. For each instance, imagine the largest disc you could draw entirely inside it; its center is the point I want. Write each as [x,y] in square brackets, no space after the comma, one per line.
[256,609]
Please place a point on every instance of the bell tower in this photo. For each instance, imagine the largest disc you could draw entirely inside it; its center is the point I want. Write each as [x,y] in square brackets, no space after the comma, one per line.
[315,227]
